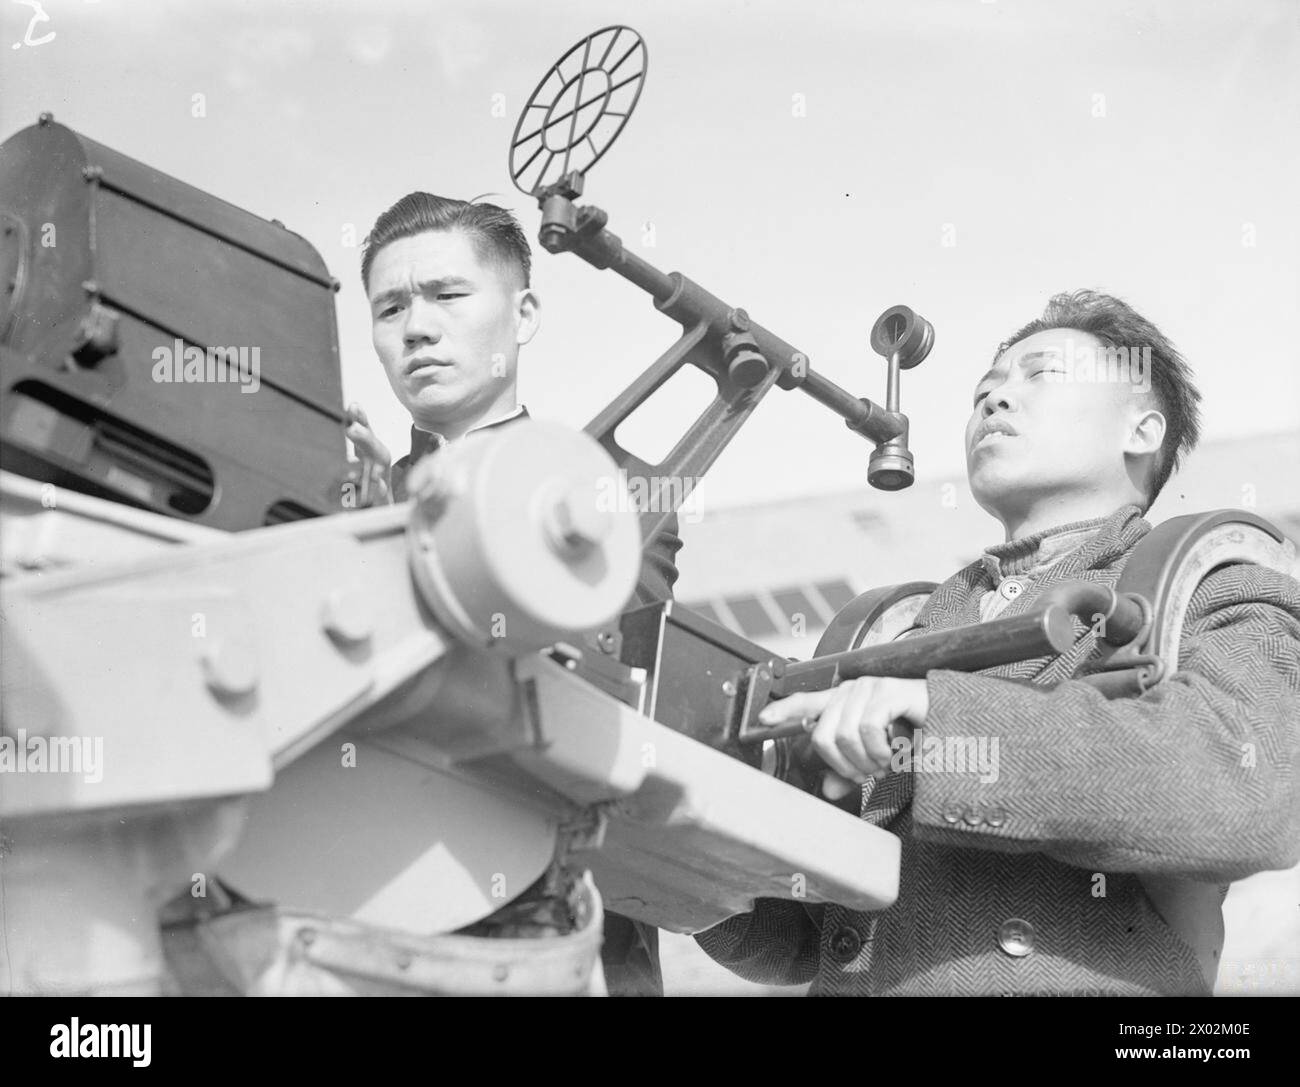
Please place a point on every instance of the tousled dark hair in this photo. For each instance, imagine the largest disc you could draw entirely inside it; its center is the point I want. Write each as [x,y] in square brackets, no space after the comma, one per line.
[1117,325]
[495,232]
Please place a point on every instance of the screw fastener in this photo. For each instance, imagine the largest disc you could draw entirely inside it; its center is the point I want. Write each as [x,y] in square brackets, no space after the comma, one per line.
[229,668]
[346,617]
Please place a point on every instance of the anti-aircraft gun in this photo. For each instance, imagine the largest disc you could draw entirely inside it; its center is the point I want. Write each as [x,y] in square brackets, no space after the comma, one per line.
[222,688]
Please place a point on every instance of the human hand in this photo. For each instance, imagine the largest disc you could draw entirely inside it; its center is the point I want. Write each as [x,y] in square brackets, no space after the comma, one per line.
[376,461]
[852,726]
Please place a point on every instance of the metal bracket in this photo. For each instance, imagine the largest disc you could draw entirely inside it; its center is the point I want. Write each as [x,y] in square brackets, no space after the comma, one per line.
[1131,668]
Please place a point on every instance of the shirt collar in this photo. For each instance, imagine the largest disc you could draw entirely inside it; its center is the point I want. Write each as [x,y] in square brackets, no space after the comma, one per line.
[424,442]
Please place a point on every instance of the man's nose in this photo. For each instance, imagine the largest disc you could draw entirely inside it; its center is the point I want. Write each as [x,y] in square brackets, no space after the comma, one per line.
[422,324]
[1000,399]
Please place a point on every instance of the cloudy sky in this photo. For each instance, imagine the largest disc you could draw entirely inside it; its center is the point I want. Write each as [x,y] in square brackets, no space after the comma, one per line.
[813,162]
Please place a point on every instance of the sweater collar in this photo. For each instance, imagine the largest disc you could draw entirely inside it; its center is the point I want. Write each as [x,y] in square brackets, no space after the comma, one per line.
[1031,555]
[956,602]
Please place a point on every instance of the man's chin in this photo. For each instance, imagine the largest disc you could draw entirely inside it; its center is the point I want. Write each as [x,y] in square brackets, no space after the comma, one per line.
[997,491]
[433,399]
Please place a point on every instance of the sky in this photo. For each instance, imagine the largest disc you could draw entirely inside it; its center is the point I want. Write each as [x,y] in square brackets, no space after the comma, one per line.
[814,163]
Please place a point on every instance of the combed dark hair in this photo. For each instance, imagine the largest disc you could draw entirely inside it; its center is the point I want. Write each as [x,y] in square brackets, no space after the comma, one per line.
[495,232]
[1118,325]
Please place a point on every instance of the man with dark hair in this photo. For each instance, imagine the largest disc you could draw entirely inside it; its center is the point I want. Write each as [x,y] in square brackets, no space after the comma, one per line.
[1094,856]
[1135,356]
[451,305]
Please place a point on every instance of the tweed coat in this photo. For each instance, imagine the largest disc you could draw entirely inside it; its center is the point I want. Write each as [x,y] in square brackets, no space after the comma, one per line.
[1034,883]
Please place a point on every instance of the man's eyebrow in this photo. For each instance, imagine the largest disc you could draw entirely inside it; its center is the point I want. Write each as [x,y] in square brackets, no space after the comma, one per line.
[429,286]
[1027,357]
[432,286]
[390,295]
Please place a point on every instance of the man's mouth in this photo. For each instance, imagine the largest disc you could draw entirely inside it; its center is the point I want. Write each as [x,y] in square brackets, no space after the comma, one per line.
[991,433]
[423,363]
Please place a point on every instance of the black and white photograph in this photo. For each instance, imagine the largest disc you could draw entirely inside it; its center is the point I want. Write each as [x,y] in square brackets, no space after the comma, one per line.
[733,498]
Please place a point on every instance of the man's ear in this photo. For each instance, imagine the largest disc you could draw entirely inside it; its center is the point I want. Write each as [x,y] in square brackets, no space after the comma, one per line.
[528,314]
[1146,432]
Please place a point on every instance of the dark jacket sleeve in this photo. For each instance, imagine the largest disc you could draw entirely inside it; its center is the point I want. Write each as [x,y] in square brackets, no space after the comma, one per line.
[1197,778]
[776,943]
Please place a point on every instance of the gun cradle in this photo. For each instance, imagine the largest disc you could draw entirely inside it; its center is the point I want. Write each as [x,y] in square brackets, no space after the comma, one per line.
[286,709]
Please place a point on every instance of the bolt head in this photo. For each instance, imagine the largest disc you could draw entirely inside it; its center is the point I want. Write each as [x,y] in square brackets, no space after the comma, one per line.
[577,523]
[229,668]
[347,617]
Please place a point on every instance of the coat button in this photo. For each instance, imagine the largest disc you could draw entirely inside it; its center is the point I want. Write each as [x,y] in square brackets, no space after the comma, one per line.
[1016,937]
[845,945]
[1010,588]
[952,814]
[996,817]
[972,816]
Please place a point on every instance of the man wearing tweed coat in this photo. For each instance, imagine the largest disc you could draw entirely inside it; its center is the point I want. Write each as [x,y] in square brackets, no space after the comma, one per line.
[1095,860]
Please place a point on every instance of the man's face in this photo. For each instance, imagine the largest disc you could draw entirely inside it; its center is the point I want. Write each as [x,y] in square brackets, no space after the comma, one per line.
[447,325]
[1042,426]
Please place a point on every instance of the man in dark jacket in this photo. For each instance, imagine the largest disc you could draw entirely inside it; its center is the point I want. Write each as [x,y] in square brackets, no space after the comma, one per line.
[451,305]
[1044,875]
